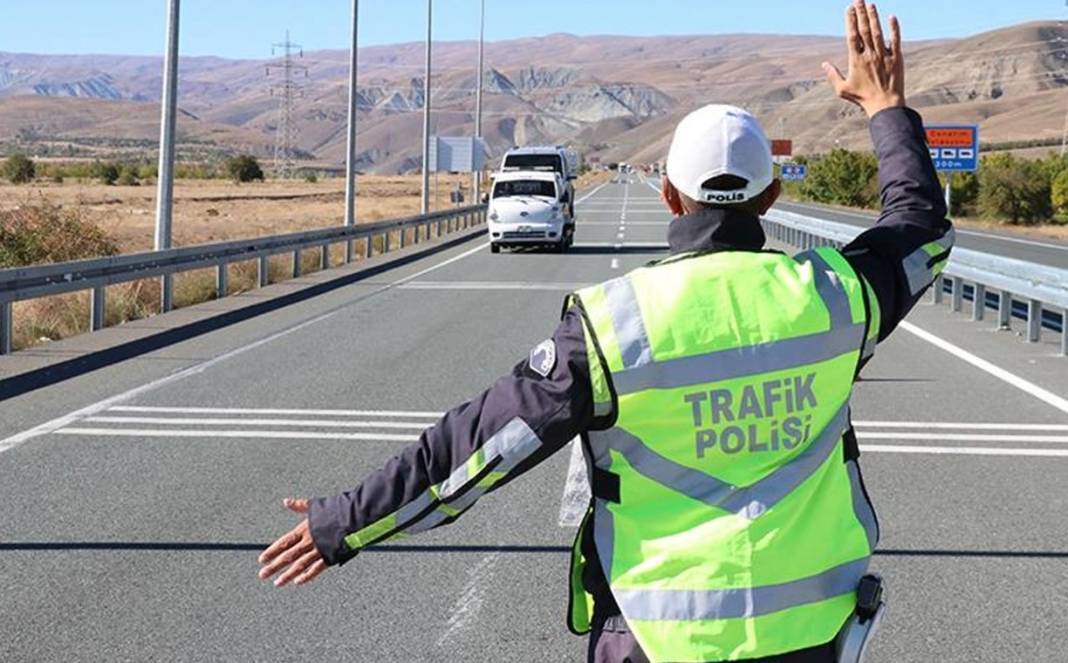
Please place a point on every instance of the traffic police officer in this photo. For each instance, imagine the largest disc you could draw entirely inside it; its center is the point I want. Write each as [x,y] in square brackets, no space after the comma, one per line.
[710,391]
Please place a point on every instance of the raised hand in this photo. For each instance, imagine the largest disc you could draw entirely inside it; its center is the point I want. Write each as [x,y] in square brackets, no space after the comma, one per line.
[876,78]
[295,552]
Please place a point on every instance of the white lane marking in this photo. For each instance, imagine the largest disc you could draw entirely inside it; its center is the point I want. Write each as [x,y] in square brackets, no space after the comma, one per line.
[615,263]
[961,437]
[214,421]
[963,451]
[247,434]
[982,364]
[632,223]
[620,235]
[576,497]
[465,611]
[619,245]
[270,411]
[77,415]
[975,233]
[490,285]
[940,425]
[590,194]
[653,187]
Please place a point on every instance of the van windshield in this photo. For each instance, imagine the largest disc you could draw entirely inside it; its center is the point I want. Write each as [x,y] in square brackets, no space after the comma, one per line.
[534,162]
[524,188]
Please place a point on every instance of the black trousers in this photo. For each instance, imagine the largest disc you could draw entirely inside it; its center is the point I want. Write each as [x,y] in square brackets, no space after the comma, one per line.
[612,642]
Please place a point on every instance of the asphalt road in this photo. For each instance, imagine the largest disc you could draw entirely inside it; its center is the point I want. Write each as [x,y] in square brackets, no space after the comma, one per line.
[135,499]
[1043,251]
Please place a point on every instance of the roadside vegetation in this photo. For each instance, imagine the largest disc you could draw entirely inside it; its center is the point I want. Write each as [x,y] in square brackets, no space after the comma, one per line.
[1006,190]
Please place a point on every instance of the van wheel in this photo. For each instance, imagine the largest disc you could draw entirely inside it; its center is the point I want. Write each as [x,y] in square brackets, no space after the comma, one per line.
[495,248]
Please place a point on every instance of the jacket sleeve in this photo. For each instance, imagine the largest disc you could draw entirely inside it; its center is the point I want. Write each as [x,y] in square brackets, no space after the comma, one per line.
[909,245]
[475,448]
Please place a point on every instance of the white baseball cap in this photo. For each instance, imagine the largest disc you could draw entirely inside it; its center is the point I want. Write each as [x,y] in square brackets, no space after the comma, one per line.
[719,140]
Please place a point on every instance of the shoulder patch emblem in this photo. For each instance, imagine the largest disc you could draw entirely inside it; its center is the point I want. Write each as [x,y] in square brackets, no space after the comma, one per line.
[543,357]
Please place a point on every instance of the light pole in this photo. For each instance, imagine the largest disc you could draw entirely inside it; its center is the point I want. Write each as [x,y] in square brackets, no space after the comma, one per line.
[350,151]
[477,188]
[165,183]
[426,112]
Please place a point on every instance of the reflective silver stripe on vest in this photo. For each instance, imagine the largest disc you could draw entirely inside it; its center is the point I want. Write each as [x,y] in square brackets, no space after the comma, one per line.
[604,535]
[514,442]
[861,506]
[740,362]
[745,501]
[694,605]
[627,321]
[916,270]
[829,286]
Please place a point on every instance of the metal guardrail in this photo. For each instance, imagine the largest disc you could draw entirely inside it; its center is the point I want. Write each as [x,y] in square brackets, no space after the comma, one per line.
[1040,292]
[22,283]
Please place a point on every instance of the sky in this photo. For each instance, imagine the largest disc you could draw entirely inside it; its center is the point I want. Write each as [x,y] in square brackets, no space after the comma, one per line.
[246,28]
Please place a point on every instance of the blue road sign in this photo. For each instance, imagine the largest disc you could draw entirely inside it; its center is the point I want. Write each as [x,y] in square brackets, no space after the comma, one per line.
[793,171]
[954,148]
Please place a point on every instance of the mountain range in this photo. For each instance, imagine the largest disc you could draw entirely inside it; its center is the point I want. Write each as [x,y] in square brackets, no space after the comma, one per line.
[613,98]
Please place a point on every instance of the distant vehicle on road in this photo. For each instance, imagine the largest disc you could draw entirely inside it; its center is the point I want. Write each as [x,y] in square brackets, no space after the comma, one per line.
[548,158]
[530,208]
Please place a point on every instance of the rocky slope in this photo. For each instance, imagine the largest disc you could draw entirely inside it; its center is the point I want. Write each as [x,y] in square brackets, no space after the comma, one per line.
[616,98]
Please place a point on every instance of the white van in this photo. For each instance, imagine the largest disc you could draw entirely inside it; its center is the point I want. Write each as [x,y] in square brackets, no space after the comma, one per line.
[549,158]
[528,209]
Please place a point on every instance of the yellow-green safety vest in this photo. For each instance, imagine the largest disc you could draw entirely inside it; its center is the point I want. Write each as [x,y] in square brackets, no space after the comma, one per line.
[734,526]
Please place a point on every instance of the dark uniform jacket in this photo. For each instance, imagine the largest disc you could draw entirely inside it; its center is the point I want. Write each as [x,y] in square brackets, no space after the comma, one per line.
[559,406]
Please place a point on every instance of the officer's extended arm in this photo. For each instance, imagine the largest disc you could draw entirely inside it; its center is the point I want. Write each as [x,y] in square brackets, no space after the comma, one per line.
[908,247]
[474,449]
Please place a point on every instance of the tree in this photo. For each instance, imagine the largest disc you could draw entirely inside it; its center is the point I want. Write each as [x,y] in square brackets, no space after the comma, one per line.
[107,172]
[1060,193]
[843,177]
[244,168]
[19,168]
[1015,189]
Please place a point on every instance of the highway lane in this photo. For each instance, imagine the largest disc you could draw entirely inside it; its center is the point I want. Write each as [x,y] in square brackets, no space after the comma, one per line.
[1043,251]
[132,532]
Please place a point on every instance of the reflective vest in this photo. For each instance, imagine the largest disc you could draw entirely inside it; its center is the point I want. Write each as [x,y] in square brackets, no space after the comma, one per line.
[727,517]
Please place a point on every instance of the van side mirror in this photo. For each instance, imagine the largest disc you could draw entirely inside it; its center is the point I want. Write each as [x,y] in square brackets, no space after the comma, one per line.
[485,198]
[572,177]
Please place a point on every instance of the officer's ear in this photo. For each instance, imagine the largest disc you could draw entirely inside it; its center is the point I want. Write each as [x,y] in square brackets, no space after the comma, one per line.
[671,197]
[769,196]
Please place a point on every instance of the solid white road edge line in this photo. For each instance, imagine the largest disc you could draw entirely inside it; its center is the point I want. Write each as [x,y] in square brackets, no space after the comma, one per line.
[250,434]
[940,425]
[267,411]
[962,451]
[961,437]
[576,497]
[68,419]
[982,364]
[213,421]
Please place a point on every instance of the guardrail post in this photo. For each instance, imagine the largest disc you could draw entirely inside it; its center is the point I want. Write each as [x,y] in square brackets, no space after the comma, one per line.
[97,301]
[938,290]
[1004,310]
[957,290]
[296,263]
[978,301]
[222,280]
[1034,320]
[385,243]
[403,237]
[1064,332]
[368,246]
[263,271]
[324,255]
[440,223]
[6,323]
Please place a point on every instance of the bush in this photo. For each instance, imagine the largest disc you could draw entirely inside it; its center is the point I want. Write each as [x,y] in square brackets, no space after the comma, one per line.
[107,172]
[311,178]
[844,178]
[244,168]
[44,233]
[1059,193]
[1014,189]
[964,193]
[128,177]
[19,168]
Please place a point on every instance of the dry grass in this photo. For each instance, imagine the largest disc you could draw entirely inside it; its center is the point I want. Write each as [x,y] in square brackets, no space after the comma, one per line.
[204,211]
